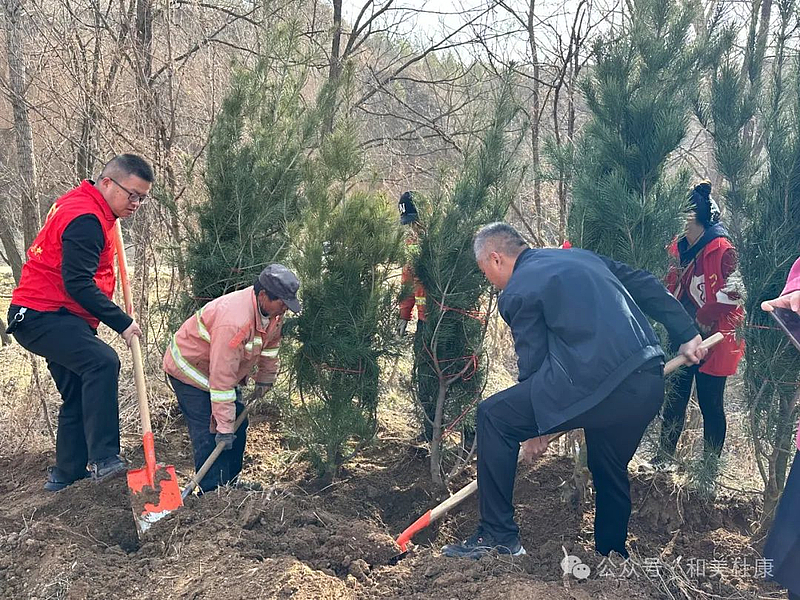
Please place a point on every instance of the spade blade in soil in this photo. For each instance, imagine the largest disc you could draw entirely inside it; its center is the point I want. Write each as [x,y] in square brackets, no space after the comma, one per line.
[151,503]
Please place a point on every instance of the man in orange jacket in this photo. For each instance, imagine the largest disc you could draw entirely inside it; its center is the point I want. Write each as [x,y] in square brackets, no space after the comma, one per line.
[214,352]
[63,295]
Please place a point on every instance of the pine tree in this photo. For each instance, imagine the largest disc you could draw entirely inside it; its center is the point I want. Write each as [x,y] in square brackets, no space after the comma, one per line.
[626,205]
[449,369]
[765,223]
[727,108]
[771,235]
[347,252]
[639,94]
[256,160]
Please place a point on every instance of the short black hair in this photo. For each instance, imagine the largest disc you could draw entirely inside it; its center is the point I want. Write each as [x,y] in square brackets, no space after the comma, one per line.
[257,287]
[500,237]
[129,164]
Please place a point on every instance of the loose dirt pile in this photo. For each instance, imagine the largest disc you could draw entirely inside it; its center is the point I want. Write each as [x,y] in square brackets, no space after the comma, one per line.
[301,540]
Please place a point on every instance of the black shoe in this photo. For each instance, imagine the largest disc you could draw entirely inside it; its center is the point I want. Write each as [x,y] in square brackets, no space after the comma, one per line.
[480,544]
[107,468]
[57,482]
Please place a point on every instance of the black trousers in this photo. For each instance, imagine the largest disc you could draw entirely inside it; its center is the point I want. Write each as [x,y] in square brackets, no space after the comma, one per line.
[196,408]
[710,396]
[86,372]
[613,431]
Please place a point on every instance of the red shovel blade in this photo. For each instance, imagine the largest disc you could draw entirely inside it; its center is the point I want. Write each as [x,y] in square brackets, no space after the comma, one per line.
[154,489]
[152,503]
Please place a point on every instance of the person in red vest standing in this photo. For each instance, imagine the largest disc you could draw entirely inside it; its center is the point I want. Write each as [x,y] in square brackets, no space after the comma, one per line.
[64,293]
[705,284]
[415,295]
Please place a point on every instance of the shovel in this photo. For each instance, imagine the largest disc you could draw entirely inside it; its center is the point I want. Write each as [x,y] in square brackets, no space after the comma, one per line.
[469,489]
[154,489]
[213,456]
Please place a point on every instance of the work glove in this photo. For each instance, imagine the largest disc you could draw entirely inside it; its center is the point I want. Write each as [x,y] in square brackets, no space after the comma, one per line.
[261,389]
[400,330]
[225,438]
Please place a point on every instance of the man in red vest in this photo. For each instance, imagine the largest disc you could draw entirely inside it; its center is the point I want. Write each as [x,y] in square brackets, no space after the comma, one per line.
[64,293]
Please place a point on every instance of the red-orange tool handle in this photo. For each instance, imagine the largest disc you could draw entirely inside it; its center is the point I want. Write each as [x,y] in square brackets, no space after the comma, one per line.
[138,368]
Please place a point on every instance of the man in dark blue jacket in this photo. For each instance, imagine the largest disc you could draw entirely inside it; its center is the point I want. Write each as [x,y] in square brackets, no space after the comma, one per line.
[588,358]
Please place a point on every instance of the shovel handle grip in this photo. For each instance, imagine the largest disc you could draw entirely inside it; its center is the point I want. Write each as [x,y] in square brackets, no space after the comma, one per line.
[136,348]
[195,481]
[681,360]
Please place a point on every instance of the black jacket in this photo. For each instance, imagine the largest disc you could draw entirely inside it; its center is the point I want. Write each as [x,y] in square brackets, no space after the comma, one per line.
[579,327]
[82,242]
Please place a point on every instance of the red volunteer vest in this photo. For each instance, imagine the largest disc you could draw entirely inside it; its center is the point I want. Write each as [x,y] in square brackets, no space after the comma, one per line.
[41,286]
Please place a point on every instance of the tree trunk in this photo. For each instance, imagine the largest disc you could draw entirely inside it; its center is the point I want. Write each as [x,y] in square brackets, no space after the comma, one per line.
[4,337]
[17,83]
[778,462]
[335,67]
[436,442]
[537,180]
[144,42]
[85,152]
[563,198]
[11,252]
[150,126]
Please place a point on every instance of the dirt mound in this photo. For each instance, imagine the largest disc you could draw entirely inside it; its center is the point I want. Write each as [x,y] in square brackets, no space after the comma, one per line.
[301,539]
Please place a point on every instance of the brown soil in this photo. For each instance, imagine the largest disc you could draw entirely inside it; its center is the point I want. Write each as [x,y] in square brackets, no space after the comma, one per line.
[303,540]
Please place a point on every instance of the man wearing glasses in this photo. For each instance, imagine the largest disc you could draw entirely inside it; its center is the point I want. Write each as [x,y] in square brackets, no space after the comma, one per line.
[63,295]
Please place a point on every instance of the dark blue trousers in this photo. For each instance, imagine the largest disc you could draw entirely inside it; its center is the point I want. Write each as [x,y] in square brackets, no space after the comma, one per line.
[613,431]
[196,408]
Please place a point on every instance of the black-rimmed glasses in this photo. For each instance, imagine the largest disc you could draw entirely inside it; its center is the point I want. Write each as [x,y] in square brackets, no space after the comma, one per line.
[132,196]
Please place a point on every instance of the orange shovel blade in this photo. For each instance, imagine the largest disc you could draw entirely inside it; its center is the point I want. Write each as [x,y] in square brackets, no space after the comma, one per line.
[153,502]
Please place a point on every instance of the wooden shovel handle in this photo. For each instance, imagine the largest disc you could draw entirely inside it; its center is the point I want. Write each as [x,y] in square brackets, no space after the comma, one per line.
[136,349]
[680,360]
[195,481]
